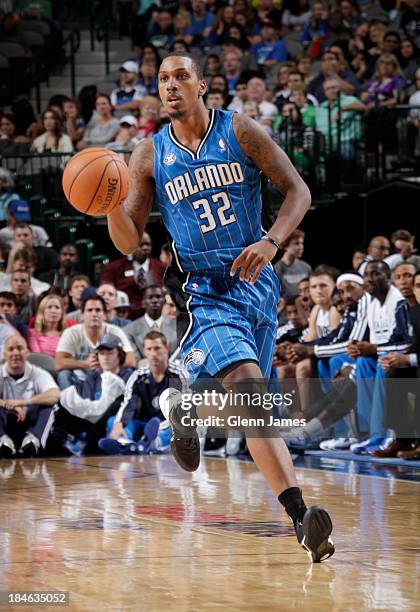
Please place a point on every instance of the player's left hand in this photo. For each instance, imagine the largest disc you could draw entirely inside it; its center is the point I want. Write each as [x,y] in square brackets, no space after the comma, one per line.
[252,260]
[393,360]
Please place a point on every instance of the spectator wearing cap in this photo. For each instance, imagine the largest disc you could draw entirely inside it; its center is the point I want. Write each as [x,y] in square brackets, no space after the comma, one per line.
[141,399]
[267,10]
[67,267]
[108,292]
[102,127]
[87,409]
[76,349]
[18,211]
[122,306]
[28,395]
[134,273]
[330,68]
[127,136]
[7,195]
[271,49]
[127,95]
[200,29]
[153,302]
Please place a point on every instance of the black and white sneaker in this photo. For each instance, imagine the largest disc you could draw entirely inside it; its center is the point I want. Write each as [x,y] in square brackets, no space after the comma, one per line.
[313,531]
[30,446]
[185,444]
[7,447]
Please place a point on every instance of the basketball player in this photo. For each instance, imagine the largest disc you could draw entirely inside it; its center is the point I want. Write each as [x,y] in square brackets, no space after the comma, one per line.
[204,171]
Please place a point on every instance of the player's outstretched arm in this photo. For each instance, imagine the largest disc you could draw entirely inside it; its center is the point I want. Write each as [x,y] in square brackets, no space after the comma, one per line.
[127,222]
[275,164]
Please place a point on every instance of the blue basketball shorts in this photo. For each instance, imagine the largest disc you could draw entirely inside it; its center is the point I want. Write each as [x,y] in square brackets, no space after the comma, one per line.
[229,321]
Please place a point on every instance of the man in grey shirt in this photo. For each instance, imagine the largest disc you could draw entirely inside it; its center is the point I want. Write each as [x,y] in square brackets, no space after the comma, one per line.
[290,268]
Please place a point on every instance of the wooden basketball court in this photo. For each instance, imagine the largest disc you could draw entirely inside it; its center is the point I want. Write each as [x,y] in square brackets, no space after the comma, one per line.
[137,533]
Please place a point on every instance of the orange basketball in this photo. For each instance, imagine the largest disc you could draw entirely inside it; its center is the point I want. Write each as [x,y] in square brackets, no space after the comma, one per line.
[96,181]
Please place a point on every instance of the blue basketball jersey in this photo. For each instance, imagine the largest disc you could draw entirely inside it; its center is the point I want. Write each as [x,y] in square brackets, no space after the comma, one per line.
[210,200]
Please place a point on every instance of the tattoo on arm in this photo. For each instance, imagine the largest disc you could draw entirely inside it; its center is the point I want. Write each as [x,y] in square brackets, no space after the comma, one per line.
[265,153]
[139,200]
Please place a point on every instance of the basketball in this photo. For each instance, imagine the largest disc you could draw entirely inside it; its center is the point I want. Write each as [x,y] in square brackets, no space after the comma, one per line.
[96,181]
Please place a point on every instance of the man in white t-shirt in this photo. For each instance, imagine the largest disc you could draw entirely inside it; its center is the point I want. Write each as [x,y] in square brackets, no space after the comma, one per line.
[28,396]
[76,349]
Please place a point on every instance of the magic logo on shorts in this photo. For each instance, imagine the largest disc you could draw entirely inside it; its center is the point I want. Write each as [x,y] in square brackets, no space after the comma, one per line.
[194,357]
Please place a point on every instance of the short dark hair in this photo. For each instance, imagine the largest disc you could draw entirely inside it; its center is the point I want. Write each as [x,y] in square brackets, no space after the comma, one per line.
[382,265]
[401,234]
[404,263]
[155,335]
[8,295]
[22,225]
[291,301]
[93,298]
[196,66]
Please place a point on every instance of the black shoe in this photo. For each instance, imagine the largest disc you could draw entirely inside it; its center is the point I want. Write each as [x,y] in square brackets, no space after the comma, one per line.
[185,444]
[7,447]
[313,531]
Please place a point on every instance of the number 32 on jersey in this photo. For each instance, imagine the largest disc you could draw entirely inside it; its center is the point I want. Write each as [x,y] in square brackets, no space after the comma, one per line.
[224,211]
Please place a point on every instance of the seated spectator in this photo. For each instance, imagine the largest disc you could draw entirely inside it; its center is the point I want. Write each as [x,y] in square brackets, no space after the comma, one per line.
[389,332]
[348,83]
[281,90]
[28,395]
[225,17]
[182,21]
[87,410]
[134,273]
[291,269]
[67,268]
[46,257]
[77,285]
[271,50]
[212,66]
[10,142]
[385,89]
[232,69]
[358,256]
[304,66]
[147,79]
[257,92]
[141,399]
[74,123]
[127,96]
[122,306]
[108,292]
[404,249]
[76,349]
[240,96]
[316,30]
[403,279]
[219,83]
[409,57]
[127,136]
[8,312]
[7,195]
[22,290]
[49,325]
[52,138]
[160,31]
[295,138]
[198,32]
[153,301]
[359,65]
[169,308]
[149,115]
[215,99]
[379,248]
[296,16]
[339,112]
[102,127]
[23,259]
[304,103]
[18,211]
